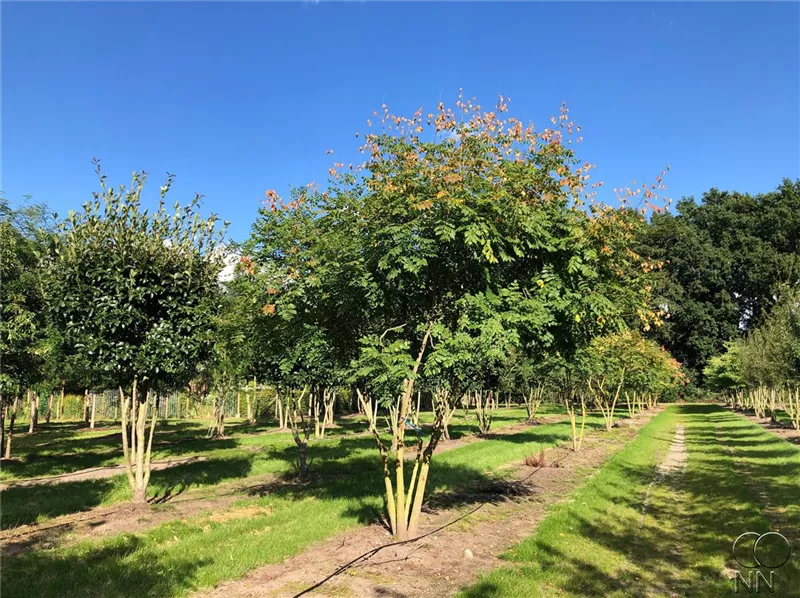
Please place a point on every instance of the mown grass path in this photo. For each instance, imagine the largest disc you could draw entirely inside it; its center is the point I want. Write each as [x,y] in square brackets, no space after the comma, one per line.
[739,478]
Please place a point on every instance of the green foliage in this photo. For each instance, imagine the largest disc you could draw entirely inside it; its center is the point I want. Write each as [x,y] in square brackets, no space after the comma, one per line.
[724,372]
[476,232]
[25,338]
[136,292]
[770,355]
[628,357]
[724,261]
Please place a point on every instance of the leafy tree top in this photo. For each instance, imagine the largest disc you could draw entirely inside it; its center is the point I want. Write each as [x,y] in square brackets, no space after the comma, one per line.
[137,291]
[463,224]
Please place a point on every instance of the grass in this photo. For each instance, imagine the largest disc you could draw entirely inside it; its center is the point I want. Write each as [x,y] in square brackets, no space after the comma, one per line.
[239,456]
[65,447]
[739,478]
[178,557]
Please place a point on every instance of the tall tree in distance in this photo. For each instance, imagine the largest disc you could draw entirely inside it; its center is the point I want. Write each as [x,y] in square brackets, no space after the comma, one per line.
[726,260]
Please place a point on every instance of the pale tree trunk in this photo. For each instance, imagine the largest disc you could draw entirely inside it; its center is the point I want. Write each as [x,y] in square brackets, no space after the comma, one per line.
[319,430]
[94,410]
[440,401]
[85,415]
[604,400]
[629,404]
[392,420]
[283,403]
[239,404]
[33,400]
[415,411]
[60,411]
[49,413]
[533,400]
[404,504]
[792,406]
[3,414]
[485,406]
[577,433]
[250,418]
[216,428]
[136,453]
[368,407]
[11,420]
[329,398]
[323,404]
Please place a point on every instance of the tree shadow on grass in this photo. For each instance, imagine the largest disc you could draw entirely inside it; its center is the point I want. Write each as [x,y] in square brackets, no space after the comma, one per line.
[126,568]
[28,503]
[170,482]
[674,552]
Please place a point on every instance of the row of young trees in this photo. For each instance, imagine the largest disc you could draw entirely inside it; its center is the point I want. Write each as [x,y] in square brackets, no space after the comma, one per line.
[467,256]
[761,372]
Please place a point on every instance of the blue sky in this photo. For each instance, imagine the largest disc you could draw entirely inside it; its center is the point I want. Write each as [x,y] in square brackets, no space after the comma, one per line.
[237,98]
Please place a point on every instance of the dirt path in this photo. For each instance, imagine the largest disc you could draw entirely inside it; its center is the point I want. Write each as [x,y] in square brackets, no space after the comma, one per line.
[677,456]
[95,473]
[674,462]
[455,544]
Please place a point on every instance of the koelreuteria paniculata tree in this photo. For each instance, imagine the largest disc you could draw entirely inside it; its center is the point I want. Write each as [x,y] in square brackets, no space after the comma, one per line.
[465,233]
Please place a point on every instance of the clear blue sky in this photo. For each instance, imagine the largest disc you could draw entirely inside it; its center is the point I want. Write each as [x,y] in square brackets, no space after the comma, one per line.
[239,98]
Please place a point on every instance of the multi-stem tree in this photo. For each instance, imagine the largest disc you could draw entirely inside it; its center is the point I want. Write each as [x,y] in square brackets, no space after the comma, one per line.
[136,293]
[461,225]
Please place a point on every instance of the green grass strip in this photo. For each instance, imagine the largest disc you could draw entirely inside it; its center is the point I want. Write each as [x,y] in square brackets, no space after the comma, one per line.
[739,478]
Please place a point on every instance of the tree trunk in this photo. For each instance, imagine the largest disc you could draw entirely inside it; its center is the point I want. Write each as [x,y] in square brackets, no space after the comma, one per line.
[279,410]
[296,419]
[484,410]
[33,398]
[60,413]
[11,420]
[85,414]
[94,410]
[217,427]
[136,454]
[49,413]
[396,498]
[533,400]
[3,413]
[239,404]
